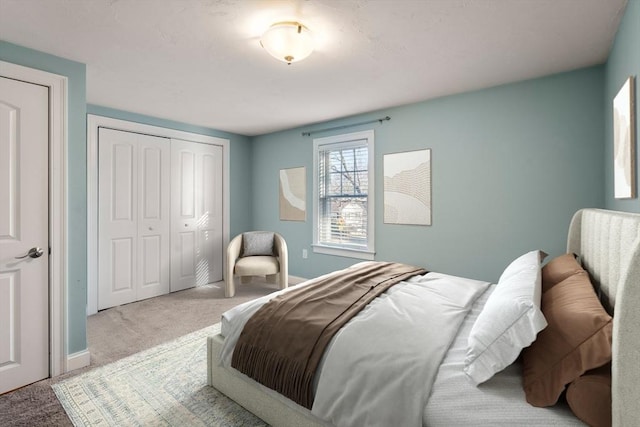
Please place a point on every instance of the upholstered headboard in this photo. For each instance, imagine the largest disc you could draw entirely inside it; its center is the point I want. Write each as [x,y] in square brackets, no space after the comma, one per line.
[608,244]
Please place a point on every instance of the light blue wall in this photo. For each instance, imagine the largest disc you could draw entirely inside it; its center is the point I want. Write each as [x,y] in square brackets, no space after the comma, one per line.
[510,165]
[624,61]
[239,152]
[76,181]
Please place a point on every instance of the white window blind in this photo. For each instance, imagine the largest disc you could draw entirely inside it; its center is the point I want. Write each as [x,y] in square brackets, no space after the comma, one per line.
[343,189]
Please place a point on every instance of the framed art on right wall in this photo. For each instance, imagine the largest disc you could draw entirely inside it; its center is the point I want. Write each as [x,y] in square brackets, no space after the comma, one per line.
[624,144]
[407,187]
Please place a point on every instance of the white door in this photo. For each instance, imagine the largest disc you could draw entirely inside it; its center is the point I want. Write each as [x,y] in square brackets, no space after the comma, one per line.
[196,214]
[24,224]
[154,173]
[133,217]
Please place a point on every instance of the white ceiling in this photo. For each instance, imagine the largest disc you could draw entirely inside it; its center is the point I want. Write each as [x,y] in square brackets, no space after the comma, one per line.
[200,61]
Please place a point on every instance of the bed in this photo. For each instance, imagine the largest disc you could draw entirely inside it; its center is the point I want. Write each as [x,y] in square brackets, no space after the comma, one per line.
[608,246]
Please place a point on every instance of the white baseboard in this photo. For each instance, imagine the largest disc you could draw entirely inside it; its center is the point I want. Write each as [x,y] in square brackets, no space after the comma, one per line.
[294,280]
[78,360]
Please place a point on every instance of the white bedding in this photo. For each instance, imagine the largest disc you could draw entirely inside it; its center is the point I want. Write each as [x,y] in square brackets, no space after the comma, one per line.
[379,368]
[499,401]
[500,398]
[420,316]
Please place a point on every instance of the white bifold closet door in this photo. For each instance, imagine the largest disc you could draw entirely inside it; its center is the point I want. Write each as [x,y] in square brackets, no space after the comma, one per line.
[133,217]
[196,214]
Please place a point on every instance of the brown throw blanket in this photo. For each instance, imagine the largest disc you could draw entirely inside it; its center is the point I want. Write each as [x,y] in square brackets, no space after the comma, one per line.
[282,343]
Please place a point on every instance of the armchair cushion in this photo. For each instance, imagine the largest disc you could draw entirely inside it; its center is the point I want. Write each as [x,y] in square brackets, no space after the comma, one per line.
[257,243]
[257,266]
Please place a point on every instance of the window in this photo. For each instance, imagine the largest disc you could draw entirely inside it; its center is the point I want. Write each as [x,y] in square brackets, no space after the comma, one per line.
[343,195]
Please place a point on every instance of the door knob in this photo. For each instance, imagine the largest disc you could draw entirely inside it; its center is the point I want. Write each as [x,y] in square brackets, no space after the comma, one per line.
[33,253]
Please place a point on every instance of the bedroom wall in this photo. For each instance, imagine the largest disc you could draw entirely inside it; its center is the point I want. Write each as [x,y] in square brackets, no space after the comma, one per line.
[240,183]
[624,61]
[76,181]
[510,165]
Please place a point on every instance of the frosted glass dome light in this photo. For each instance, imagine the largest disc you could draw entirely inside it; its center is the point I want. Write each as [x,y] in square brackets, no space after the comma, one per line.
[288,41]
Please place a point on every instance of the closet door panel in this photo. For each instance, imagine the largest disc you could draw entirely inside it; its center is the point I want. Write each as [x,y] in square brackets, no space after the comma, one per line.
[188,256]
[152,263]
[183,215]
[122,190]
[152,169]
[122,269]
[133,217]
[117,224]
[154,216]
[196,239]
[210,228]
[187,174]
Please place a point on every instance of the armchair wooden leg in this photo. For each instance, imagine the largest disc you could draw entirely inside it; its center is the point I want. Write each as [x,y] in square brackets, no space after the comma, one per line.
[284,280]
[229,287]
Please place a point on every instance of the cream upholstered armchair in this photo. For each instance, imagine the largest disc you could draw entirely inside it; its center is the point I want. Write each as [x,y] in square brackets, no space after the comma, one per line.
[257,253]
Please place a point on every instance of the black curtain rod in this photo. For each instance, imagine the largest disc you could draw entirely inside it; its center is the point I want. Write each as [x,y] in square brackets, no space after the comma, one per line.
[384,119]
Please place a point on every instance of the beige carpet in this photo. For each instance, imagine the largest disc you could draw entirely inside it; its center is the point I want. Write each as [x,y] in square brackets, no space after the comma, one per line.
[122,331]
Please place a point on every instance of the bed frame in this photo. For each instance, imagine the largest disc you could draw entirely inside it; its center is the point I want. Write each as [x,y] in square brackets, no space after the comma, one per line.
[608,244]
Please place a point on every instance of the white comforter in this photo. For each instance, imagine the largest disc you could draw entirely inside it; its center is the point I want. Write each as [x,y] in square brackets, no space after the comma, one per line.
[379,368]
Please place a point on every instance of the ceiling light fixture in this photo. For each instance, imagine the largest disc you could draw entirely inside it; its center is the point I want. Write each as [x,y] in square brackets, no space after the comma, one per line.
[288,41]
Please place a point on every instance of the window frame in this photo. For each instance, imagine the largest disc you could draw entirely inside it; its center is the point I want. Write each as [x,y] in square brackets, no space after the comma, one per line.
[344,141]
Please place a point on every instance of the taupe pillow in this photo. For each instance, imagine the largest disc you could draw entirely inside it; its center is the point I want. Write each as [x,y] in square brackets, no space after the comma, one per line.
[257,243]
[589,397]
[558,269]
[577,339]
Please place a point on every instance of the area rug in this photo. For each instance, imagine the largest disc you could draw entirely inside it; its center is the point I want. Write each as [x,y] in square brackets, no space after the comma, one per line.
[163,386]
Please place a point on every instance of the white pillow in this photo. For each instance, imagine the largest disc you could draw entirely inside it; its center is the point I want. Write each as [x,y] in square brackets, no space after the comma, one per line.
[509,321]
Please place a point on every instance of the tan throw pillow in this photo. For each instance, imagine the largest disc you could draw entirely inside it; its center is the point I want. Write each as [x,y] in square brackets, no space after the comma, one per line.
[558,269]
[589,397]
[577,339]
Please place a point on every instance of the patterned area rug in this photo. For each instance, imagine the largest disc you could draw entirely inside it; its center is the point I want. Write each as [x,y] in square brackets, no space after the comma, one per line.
[163,386]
